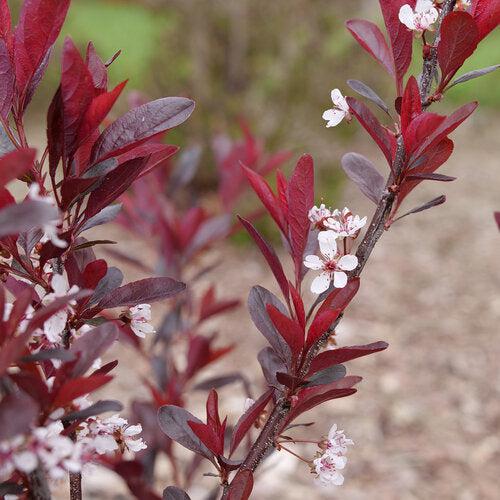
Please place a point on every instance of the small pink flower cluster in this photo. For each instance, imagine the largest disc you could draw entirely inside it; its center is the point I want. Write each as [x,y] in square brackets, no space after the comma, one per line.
[421,18]
[328,464]
[58,454]
[104,436]
[140,317]
[334,262]
[46,446]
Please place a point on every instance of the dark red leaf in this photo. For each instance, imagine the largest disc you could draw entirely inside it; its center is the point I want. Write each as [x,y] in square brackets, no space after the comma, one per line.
[321,324]
[15,164]
[369,36]
[19,309]
[55,133]
[314,396]
[5,22]
[241,486]
[384,139]
[213,410]
[96,68]
[174,493]
[133,473]
[93,273]
[282,187]
[419,130]
[363,89]
[401,38]
[246,421]
[271,364]
[288,380]
[340,298]
[91,346]
[210,306]
[98,110]
[77,387]
[459,38]
[114,184]
[207,436]
[430,204]
[342,354]
[289,329]
[497,218]
[300,201]
[102,406]
[139,124]
[12,349]
[486,13]
[430,177]
[411,105]
[266,195]
[269,254]
[6,79]
[298,305]
[39,25]
[258,300]
[74,189]
[447,126]
[32,384]
[77,92]
[174,422]
[365,175]
[142,291]
[17,414]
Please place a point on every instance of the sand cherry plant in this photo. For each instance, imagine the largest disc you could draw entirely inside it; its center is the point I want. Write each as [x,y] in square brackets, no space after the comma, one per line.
[63,308]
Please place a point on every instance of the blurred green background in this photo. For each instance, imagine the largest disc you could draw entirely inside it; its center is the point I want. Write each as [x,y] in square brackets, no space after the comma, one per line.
[271,62]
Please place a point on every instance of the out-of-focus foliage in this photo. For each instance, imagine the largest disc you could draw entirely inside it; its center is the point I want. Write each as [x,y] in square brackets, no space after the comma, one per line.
[272,62]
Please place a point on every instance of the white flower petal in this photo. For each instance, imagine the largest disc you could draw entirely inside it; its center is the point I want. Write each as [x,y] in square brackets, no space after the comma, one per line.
[327,244]
[313,262]
[132,430]
[333,116]
[339,279]
[337,479]
[348,262]
[407,17]
[136,444]
[25,461]
[424,5]
[320,283]
[432,16]
[104,444]
[337,97]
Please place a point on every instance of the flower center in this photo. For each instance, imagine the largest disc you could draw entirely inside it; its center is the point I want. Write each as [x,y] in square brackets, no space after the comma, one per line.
[330,265]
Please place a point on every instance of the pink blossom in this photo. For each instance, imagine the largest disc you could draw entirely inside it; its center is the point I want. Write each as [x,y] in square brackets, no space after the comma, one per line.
[327,468]
[331,264]
[140,316]
[104,436]
[344,223]
[339,111]
[318,215]
[45,446]
[420,19]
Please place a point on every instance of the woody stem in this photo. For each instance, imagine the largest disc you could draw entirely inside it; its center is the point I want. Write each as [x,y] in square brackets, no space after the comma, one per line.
[430,63]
